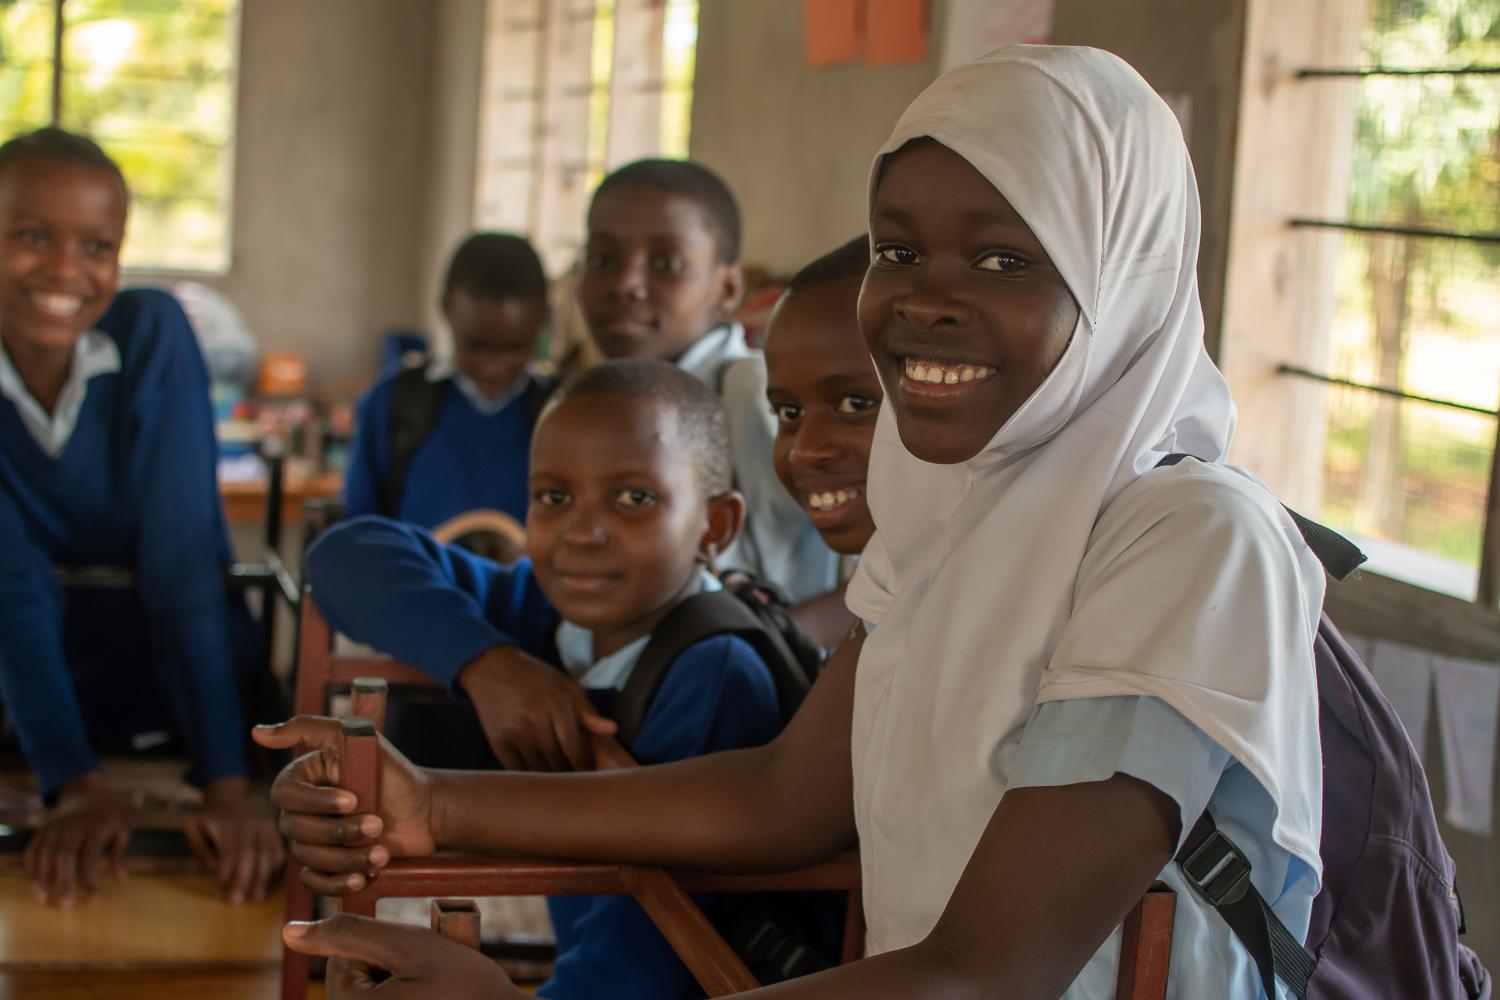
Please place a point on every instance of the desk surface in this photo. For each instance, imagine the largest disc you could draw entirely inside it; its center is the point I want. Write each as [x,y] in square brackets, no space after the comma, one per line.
[245,500]
[150,920]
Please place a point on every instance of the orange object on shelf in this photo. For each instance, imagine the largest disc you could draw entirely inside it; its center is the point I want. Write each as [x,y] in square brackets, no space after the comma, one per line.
[283,373]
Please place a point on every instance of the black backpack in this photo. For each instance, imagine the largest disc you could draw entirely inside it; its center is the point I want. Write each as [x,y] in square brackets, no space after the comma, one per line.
[1387,918]
[747,608]
[415,404]
[782,935]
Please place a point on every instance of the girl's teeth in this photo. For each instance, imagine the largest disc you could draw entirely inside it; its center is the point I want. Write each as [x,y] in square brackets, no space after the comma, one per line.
[935,374]
[829,499]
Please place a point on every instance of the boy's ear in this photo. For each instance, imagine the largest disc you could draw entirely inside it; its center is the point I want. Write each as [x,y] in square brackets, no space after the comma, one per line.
[732,288]
[726,518]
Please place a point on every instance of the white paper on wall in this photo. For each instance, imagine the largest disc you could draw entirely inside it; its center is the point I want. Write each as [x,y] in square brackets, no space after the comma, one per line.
[975,27]
[1468,695]
[1405,677]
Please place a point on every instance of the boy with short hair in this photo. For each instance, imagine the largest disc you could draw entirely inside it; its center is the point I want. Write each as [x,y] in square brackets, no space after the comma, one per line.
[631,504]
[661,279]
[438,442]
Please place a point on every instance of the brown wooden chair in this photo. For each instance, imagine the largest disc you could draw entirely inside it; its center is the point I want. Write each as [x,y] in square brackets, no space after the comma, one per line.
[664,895]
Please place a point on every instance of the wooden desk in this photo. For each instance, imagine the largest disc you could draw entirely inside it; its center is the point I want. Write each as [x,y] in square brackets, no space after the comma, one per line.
[245,501]
[148,921]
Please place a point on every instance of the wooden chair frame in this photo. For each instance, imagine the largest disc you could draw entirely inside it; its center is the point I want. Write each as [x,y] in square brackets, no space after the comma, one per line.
[664,895]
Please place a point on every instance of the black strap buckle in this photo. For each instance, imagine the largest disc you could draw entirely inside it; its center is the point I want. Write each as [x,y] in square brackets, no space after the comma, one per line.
[1218,870]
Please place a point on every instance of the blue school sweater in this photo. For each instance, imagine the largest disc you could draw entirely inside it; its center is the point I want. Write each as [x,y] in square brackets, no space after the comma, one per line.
[468,460]
[437,607]
[135,487]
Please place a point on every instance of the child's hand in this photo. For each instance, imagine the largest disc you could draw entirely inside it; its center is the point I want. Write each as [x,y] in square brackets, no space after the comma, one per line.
[421,963]
[70,847]
[535,717]
[317,815]
[236,839]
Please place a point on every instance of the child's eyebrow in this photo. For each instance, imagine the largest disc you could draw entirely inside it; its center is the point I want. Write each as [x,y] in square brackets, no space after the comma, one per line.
[848,380]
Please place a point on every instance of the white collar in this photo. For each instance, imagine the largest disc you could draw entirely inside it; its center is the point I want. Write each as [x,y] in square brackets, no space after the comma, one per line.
[95,353]
[442,367]
[575,647]
[722,344]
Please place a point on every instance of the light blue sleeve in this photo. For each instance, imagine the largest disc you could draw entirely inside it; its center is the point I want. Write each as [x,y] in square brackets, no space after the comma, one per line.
[1093,739]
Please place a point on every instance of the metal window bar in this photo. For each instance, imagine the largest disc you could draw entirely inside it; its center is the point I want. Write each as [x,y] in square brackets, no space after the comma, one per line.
[1384,390]
[1337,72]
[1487,593]
[1420,232]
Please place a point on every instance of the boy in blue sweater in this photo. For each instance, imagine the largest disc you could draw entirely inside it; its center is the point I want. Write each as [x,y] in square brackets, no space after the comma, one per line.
[107,457]
[482,400]
[631,503]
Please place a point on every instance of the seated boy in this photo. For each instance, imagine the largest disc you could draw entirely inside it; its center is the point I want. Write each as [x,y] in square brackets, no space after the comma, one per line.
[419,431]
[630,505]
[107,457]
[661,279]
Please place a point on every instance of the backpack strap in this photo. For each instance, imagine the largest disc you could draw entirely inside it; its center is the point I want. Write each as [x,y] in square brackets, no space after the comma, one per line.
[1220,873]
[415,405]
[1339,556]
[539,389]
[702,616]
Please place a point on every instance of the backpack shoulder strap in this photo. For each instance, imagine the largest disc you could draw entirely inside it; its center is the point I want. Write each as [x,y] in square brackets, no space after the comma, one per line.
[539,389]
[415,405]
[699,617]
[1219,872]
[1339,556]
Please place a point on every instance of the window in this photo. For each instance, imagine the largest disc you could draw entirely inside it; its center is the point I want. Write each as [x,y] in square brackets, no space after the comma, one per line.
[153,82]
[1379,251]
[572,89]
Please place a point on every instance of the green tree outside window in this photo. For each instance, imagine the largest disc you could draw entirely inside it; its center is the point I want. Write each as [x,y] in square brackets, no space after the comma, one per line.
[153,82]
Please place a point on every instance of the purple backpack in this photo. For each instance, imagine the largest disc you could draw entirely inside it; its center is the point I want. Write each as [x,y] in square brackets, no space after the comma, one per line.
[1387,919]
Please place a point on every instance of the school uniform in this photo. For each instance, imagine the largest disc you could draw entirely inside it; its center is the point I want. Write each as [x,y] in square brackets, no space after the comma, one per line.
[778,543]
[1058,609]
[121,474]
[476,455]
[438,607]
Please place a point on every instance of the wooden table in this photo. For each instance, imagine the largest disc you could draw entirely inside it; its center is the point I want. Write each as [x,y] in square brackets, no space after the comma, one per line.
[245,501]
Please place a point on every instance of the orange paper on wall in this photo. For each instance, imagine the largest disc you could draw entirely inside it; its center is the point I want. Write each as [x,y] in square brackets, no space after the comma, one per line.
[895,32]
[830,32]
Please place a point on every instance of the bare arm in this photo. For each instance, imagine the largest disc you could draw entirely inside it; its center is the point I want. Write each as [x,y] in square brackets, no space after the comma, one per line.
[773,807]
[1055,872]
[825,618]
[784,804]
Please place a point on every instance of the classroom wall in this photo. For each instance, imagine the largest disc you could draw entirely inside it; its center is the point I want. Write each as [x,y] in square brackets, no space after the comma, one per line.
[795,144]
[1186,48]
[331,173]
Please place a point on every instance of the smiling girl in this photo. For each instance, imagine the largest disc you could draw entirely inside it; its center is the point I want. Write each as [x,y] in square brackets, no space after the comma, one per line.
[1074,651]
[107,458]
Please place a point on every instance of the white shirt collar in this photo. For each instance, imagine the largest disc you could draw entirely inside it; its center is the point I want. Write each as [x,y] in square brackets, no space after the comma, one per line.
[442,367]
[710,352]
[575,647]
[95,353]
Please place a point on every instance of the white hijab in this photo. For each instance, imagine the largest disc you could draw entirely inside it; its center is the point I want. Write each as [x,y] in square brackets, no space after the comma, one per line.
[972,575]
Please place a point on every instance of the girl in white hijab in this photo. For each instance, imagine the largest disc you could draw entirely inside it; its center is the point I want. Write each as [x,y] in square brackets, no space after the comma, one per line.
[1073,651]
